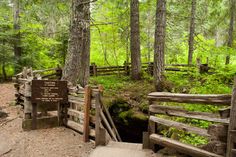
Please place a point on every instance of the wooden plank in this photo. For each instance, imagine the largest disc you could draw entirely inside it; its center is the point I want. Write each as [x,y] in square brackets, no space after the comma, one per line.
[225,113]
[98,139]
[175,111]
[42,123]
[221,99]
[110,67]
[234,151]
[80,101]
[181,147]
[79,128]
[191,96]
[111,122]
[218,132]
[76,99]
[181,126]
[232,124]
[34,116]
[87,105]
[109,70]
[151,130]
[108,127]
[80,115]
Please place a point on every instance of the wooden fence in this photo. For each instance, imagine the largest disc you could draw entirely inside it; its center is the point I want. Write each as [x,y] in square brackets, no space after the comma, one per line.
[217,133]
[125,69]
[84,111]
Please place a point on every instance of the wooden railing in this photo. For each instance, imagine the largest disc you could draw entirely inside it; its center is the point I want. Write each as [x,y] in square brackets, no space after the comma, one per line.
[126,68]
[84,112]
[89,116]
[217,133]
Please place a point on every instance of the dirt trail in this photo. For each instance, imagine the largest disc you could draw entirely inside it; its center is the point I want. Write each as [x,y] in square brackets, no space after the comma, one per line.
[14,142]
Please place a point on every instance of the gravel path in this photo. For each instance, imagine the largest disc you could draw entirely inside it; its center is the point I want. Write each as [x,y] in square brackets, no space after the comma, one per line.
[14,142]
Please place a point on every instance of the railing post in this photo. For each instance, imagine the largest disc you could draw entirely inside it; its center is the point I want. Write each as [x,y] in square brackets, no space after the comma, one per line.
[59,73]
[127,69]
[87,105]
[94,69]
[150,68]
[232,125]
[100,133]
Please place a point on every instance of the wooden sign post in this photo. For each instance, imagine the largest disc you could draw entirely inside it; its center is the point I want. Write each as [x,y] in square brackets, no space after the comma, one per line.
[48,92]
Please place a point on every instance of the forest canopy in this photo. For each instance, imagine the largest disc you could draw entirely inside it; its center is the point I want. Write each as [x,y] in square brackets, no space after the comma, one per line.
[40,32]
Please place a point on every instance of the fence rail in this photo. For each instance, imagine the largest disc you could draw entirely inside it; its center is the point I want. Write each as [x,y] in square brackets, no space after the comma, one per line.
[217,133]
[147,67]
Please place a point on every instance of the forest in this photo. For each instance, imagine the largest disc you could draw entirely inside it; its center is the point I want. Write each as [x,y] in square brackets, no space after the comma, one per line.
[177,46]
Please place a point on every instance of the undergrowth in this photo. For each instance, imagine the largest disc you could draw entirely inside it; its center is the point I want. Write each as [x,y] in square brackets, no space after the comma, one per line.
[121,89]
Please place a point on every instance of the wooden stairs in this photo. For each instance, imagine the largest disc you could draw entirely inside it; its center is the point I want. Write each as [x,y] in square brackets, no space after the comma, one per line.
[121,149]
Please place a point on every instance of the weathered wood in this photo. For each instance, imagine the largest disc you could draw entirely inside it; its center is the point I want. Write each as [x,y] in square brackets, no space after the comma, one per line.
[60,114]
[34,116]
[181,126]
[216,147]
[79,128]
[87,105]
[191,96]
[44,70]
[110,70]
[108,127]
[42,123]
[27,107]
[98,122]
[80,115]
[146,140]
[218,132]
[232,124]
[181,147]
[176,111]
[222,99]
[151,130]
[75,98]
[225,113]
[111,122]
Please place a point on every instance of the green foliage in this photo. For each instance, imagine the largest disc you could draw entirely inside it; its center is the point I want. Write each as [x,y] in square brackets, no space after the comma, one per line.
[110,82]
[193,139]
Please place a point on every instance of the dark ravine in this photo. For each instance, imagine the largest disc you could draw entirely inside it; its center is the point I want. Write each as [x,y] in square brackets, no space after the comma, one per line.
[129,125]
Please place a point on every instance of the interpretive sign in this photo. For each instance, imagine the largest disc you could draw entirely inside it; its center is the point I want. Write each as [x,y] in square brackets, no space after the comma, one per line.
[49,91]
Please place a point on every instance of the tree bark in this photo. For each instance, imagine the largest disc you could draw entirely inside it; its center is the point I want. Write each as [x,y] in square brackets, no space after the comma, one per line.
[17,38]
[231,28]
[76,68]
[191,33]
[159,47]
[135,40]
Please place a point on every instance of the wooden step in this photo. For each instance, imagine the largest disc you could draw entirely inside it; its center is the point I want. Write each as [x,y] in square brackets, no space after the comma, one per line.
[181,147]
[181,126]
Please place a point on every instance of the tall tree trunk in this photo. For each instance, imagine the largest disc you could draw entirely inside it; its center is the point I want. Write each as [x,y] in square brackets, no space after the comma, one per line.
[231,28]
[76,68]
[191,33]
[135,40]
[17,38]
[159,47]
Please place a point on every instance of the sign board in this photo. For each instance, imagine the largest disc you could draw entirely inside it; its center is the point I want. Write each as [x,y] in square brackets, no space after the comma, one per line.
[49,91]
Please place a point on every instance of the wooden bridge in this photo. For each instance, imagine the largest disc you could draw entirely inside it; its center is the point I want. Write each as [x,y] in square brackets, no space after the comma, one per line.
[85,112]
